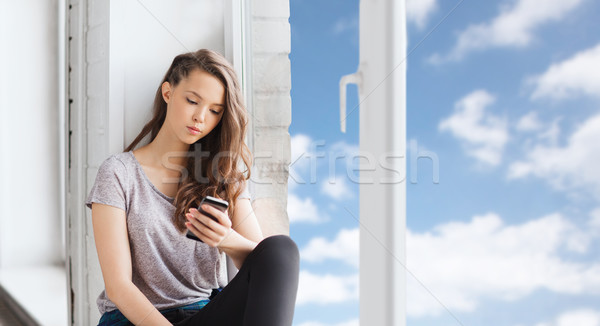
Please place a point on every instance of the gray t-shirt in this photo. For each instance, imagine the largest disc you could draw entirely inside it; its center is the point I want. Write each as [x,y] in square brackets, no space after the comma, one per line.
[168,268]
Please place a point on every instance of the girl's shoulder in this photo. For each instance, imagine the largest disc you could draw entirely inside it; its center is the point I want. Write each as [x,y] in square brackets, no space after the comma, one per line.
[117,161]
[117,165]
[113,182]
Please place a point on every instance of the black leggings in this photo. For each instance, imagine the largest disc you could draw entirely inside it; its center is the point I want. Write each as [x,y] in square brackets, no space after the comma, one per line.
[263,292]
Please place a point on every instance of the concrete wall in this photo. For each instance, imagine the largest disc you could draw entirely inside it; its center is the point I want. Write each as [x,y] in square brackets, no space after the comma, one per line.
[272,114]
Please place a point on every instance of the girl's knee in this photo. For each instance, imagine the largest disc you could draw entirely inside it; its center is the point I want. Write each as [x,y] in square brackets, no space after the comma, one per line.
[282,244]
[280,241]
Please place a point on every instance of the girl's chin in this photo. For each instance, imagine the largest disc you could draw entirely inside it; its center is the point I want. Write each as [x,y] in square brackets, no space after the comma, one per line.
[188,140]
[193,140]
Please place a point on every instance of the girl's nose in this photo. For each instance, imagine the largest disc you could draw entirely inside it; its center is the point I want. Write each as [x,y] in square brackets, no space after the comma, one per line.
[200,114]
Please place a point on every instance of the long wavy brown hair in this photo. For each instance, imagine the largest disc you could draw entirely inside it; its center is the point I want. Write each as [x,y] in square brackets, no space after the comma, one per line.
[215,172]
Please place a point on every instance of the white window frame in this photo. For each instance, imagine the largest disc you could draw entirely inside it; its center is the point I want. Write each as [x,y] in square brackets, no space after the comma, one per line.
[381,81]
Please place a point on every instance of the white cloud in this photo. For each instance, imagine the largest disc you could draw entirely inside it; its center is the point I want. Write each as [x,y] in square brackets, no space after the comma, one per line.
[353,322]
[579,317]
[594,222]
[345,24]
[513,27]
[344,247]
[483,135]
[543,131]
[305,156]
[351,150]
[337,189]
[326,289]
[304,210]
[348,155]
[552,131]
[302,148]
[419,11]
[462,263]
[577,75]
[573,166]
[529,122]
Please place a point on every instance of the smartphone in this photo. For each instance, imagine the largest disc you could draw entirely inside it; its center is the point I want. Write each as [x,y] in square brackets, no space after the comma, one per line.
[214,202]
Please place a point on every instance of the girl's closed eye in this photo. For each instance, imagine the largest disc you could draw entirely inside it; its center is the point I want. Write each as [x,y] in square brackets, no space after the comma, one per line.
[194,103]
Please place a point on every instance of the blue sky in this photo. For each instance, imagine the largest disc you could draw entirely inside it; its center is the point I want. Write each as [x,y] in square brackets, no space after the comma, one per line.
[506,95]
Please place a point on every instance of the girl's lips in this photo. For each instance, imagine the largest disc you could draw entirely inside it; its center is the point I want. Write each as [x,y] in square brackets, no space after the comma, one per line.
[193,131]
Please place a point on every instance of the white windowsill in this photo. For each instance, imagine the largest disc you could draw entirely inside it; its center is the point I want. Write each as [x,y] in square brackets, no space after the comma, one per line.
[41,290]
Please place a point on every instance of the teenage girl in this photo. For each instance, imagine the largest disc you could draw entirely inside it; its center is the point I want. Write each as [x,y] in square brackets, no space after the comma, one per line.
[143,202]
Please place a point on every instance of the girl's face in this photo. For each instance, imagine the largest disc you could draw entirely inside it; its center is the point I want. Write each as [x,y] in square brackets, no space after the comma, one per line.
[195,106]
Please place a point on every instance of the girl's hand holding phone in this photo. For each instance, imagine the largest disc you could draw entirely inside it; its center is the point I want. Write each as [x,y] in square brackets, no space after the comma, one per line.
[211,229]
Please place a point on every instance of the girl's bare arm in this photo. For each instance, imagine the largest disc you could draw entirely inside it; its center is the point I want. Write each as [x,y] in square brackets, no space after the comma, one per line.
[112,244]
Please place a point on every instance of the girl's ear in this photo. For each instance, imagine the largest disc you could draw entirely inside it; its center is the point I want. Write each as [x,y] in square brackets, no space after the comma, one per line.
[166,91]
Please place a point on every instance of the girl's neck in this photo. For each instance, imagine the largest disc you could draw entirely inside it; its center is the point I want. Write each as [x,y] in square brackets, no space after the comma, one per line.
[165,151]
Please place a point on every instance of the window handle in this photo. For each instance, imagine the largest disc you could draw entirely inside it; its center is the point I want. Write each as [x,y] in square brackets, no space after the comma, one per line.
[355,78]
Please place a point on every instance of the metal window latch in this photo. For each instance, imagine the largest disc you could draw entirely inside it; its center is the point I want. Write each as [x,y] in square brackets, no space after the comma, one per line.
[355,78]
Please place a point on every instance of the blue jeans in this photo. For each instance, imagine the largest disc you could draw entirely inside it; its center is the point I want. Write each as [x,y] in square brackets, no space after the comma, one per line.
[116,318]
